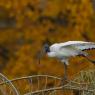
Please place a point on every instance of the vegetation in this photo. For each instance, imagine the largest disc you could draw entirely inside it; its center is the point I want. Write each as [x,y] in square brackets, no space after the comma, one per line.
[26,24]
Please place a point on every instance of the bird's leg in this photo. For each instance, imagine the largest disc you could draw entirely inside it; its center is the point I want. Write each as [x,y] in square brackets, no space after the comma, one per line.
[65,72]
[64,79]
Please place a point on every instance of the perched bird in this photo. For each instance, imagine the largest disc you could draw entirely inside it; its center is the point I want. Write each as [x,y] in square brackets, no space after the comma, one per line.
[63,51]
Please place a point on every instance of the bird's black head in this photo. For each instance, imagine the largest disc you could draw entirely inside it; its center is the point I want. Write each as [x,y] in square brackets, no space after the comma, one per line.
[46,48]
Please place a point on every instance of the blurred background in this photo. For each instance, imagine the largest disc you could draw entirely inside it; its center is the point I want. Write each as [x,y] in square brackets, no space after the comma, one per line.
[25,25]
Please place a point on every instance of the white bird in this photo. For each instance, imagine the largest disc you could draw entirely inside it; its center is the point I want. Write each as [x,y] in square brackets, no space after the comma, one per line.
[63,51]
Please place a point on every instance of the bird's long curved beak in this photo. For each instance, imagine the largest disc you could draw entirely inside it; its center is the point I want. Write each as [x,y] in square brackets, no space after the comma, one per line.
[40,55]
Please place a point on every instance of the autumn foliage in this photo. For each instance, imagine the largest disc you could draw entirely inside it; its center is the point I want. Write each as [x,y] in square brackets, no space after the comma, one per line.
[25,25]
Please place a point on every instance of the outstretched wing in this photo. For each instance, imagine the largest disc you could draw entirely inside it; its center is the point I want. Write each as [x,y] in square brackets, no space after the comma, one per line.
[72,51]
[79,45]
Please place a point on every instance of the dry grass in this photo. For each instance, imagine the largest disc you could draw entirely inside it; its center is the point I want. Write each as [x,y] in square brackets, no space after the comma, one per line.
[82,84]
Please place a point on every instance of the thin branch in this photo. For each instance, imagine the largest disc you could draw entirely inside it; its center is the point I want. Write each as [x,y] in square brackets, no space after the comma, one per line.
[27,77]
[5,79]
[60,88]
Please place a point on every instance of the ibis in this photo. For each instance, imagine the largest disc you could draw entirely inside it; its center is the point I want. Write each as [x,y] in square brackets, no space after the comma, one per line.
[64,51]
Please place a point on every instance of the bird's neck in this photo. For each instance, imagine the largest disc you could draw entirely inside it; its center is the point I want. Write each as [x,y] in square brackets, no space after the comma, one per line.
[47,50]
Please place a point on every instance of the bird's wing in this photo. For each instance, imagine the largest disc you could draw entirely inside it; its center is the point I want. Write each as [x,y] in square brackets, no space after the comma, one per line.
[72,51]
[79,45]
[65,50]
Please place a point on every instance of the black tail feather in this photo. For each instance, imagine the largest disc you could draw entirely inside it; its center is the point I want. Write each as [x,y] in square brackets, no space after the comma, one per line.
[92,61]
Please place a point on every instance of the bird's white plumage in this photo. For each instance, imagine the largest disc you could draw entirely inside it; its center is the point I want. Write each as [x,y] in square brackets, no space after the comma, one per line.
[78,44]
[81,44]
[68,49]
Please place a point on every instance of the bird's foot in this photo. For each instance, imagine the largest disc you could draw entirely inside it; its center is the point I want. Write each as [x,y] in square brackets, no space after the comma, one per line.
[64,81]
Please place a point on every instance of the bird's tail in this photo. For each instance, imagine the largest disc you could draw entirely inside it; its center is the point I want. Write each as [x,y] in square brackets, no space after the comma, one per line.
[92,61]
